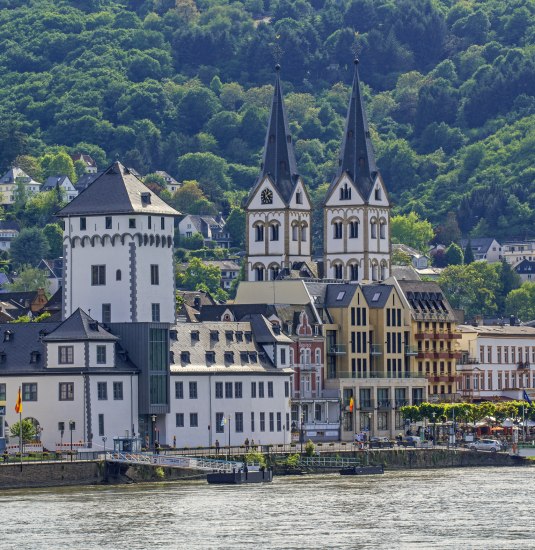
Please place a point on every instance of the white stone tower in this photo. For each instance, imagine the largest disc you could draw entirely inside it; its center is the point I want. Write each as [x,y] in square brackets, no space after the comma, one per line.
[278,210]
[118,251]
[357,208]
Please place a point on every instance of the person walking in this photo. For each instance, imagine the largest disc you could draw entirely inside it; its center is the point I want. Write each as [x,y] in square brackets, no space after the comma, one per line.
[217,447]
[246,444]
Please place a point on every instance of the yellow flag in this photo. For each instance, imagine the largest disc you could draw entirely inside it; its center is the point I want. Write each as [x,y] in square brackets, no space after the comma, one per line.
[18,404]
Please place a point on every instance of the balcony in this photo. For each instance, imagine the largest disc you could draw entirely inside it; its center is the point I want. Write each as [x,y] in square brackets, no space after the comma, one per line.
[381,374]
[384,404]
[524,365]
[454,355]
[423,335]
[319,425]
[336,349]
[442,354]
[366,405]
[376,349]
[401,403]
[425,354]
[411,351]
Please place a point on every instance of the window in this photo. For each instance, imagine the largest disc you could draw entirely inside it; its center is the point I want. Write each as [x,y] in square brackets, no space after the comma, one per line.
[101,355]
[345,193]
[98,275]
[270,389]
[155,308]
[118,391]
[101,425]
[299,197]
[179,420]
[337,230]
[261,389]
[378,194]
[238,422]
[295,230]
[132,223]
[66,355]
[106,313]
[353,230]
[162,223]
[373,226]
[279,422]
[228,390]
[154,274]
[252,421]
[193,420]
[66,391]
[83,224]
[118,275]
[354,272]
[304,234]
[271,422]
[219,423]
[253,389]
[286,389]
[274,232]
[193,390]
[238,390]
[149,220]
[108,222]
[219,390]
[259,273]
[179,390]
[262,422]
[382,230]
[102,391]
[259,231]
[2,392]
[338,271]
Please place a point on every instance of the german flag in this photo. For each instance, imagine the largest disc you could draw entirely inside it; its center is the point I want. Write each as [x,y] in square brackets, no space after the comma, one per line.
[18,404]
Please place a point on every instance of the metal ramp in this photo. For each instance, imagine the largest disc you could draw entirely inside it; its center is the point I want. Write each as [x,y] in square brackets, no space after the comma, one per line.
[190,462]
[329,462]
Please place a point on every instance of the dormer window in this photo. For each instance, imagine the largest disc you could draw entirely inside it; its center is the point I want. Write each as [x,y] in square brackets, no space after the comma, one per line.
[253,356]
[8,336]
[194,336]
[184,357]
[214,336]
[229,357]
[145,198]
[35,356]
[93,325]
[210,356]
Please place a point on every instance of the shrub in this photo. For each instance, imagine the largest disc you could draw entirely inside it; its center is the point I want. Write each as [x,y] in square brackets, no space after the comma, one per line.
[293,460]
[255,456]
[309,448]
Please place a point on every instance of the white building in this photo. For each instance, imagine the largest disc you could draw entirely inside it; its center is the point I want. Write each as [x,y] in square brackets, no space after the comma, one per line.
[211,228]
[485,249]
[496,361]
[10,182]
[63,183]
[229,271]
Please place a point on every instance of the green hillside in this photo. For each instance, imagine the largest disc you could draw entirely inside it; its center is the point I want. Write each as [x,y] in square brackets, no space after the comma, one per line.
[184,86]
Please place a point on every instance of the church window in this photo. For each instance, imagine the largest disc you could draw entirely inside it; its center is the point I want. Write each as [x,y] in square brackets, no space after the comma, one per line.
[345,193]
[353,229]
[303,233]
[295,230]
[274,232]
[374,272]
[118,275]
[338,271]
[378,194]
[373,227]
[274,272]
[354,272]
[337,230]
[383,272]
[259,233]
[299,197]
[259,273]
[382,230]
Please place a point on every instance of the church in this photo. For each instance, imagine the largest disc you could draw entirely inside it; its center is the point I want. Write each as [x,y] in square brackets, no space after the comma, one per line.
[356,209]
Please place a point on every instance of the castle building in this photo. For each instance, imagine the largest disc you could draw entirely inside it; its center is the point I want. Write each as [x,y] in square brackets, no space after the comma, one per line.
[278,209]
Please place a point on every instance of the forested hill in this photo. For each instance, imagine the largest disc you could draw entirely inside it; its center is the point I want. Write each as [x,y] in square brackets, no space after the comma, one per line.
[184,86]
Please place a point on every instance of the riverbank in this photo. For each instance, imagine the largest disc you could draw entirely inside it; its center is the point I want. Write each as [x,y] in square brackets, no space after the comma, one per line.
[97,472]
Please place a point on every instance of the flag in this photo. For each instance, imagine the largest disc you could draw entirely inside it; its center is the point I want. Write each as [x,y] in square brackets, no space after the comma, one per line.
[351,404]
[18,404]
[223,421]
[526,397]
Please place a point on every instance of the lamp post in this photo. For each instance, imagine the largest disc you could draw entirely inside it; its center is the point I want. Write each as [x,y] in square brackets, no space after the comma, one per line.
[104,439]
[302,433]
[153,418]
[433,414]
[71,428]
[229,437]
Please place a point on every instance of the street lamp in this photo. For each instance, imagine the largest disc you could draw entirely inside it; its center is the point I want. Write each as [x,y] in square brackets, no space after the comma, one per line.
[370,425]
[153,418]
[229,437]
[302,434]
[104,439]
[71,428]
[433,414]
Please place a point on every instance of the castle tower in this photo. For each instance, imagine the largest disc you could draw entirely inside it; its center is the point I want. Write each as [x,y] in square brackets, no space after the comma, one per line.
[278,210]
[356,208]
[118,251]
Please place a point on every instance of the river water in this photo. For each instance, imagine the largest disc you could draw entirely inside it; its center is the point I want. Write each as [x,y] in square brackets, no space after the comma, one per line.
[477,508]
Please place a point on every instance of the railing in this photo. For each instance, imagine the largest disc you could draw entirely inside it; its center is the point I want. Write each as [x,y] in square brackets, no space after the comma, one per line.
[380,374]
[366,405]
[384,404]
[328,462]
[319,425]
[336,349]
[523,365]
[411,350]
[376,349]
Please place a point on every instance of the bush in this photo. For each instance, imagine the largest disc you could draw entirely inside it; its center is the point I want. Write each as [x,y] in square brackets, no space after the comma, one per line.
[309,448]
[292,461]
[255,456]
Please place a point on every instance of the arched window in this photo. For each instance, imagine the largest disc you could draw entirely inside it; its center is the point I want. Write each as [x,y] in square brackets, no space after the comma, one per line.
[382,229]
[295,232]
[318,357]
[375,274]
[274,228]
[259,273]
[337,230]
[354,272]
[338,271]
[274,272]
[345,193]
[304,232]
[384,271]
[373,229]
[259,229]
[118,275]
[353,229]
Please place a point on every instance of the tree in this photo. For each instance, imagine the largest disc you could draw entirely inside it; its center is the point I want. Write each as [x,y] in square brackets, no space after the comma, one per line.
[28,430]
[206,168]
[449,232]
[468,253]
[521,302]
[454,254]
[194,242]
[235,226]
[190,199]
[59,164]
[200,276]
[411,230]
[29,247]
[54,237]
[30,278]
[509,281]
[400,257]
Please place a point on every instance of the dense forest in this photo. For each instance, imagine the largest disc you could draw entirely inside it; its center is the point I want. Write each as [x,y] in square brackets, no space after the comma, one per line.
[184,86]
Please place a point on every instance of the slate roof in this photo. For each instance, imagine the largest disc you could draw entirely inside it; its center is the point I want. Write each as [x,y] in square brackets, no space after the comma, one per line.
[377,295]
[9,225]
[480,244]
[87,159]
[25,299]
[232,344]
[525,267]
[85,181]
[499,330]
[426,297]
[116,191]
[340,295]
[15,173]
[56,181]
[79,326]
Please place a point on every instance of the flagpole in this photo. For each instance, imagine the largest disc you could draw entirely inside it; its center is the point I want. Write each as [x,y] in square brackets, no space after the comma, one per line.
[20,430]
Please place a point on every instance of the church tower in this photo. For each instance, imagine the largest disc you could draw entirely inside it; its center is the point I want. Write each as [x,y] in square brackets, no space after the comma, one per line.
[118,251]
[278,209]
[356,208]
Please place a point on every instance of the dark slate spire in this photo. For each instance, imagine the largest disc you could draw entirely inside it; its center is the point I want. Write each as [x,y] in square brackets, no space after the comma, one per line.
[279,157]
[356,155]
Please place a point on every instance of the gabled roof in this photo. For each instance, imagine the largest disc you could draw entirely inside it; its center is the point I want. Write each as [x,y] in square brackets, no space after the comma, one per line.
[14,174]
[480,244]
[377,295]
[116,191]
[279,157]
[84,158]
[525,267]
[357,158]
[56,181]
[85,181]
[340,295]
[79,326]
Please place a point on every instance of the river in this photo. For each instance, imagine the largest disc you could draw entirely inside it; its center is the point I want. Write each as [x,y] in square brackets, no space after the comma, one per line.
[476,508]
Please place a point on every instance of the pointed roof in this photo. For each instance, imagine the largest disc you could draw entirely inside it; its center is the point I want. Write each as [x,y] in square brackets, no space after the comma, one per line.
[279,157]
[356,154]
[79,327]
[116,191]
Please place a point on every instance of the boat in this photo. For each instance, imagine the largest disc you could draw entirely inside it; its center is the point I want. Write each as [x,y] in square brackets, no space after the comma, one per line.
[240,477]
[362,470]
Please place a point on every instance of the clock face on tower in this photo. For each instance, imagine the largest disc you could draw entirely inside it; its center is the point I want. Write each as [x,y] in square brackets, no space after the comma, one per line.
[267,196]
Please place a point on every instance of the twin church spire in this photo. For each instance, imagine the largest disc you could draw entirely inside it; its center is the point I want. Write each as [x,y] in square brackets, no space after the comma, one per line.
[279,211]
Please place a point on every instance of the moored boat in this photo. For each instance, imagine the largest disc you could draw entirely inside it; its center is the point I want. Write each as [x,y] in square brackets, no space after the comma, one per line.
[362,470]
[240,477]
